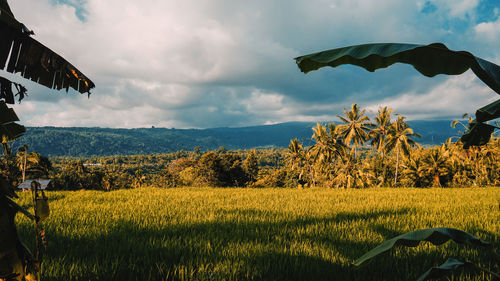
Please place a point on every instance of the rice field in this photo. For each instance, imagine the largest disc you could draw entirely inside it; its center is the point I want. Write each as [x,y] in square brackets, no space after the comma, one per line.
[259,234]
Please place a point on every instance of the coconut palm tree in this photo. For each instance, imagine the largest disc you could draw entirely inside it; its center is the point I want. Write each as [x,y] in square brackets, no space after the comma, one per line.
[351,173]
[381,129]
[34,164]
[327,146]
[399,139]
[435,163]
[413,171]
[355,128]
[295,154]
[301,160]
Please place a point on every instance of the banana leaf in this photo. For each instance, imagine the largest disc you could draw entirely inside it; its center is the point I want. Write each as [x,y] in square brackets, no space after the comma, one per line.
[489,112]
[447,267]
[477,134]
[7,115]
[9,130]
[6,92]
[436,236]
[7,16]
[20,53]
[18,208]
[429,60]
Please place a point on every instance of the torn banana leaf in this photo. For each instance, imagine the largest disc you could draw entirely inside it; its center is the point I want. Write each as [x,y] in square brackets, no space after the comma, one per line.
[9,130]
[6,92]
[20,53]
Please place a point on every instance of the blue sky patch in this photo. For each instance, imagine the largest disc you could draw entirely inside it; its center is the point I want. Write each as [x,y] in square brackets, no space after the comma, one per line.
[77,4]
[428,8]
[488,10]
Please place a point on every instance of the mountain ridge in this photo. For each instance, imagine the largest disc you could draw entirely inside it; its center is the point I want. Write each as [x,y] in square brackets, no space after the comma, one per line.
[96,141]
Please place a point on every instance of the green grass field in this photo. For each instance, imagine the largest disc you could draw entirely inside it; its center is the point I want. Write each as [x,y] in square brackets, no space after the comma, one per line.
[259,234]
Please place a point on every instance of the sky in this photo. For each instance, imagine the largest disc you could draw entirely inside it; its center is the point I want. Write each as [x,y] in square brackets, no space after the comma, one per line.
[214,63]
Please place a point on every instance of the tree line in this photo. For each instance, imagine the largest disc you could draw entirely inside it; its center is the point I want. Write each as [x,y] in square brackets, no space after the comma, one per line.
[392,158]
[355,153]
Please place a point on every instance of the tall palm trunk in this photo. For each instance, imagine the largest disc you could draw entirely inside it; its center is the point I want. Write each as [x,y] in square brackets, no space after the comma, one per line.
[397,165]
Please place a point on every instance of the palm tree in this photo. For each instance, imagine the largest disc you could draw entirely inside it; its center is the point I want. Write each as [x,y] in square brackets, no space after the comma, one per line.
[435,163]
[33,164]
[327,145]
[300,160]
[353,174]
[355,128]
[399,138]
[414,170]
[295,155]
[382,124]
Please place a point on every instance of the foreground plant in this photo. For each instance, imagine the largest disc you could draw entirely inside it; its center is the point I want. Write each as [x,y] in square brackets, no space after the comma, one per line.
[20,53]
[436,236]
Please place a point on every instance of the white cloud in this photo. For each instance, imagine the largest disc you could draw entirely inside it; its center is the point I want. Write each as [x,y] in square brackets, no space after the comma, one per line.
[489,31]
[452,98]
[461,8]
[219,63]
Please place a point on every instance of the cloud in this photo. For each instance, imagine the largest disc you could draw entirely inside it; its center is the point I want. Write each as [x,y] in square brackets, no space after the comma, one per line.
[489,31]
[450,99]
[461,8]
[223,63]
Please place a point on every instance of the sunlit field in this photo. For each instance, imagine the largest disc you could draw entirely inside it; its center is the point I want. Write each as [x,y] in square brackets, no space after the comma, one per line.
[259,234]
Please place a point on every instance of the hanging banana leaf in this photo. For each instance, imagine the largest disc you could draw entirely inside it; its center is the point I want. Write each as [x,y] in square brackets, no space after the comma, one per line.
[6,92]
[489,112]
[440,271]
[20,53]
[9,130]
[7,16]
[477,134]
[430,60]
[436,236]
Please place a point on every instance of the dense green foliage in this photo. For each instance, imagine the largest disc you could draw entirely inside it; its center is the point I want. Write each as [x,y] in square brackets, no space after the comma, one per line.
[221,168]
[85,142]
[258,234]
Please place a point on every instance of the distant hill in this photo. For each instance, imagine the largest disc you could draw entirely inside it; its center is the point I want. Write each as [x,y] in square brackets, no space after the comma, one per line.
[79,141]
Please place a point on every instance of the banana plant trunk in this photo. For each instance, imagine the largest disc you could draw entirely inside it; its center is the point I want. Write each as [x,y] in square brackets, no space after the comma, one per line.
[437,182]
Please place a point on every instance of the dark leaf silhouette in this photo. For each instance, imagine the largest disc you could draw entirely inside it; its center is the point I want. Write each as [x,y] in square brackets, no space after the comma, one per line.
[20,53]
[436,236]
[446,268]
[6,92]
[9,130]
